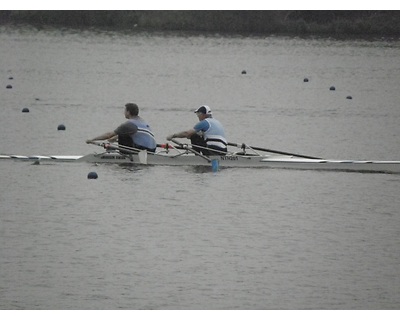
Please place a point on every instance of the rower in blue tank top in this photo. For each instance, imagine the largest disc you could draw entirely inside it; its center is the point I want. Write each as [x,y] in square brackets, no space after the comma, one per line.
[134,133]
[207,136]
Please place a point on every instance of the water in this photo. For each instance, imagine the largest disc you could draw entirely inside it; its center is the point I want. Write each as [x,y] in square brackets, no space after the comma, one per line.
[184,238]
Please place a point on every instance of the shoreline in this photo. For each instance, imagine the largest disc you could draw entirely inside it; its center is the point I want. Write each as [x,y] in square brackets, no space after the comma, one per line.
[348,24]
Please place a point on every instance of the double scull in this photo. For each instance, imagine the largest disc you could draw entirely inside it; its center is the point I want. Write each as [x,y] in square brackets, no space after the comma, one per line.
[242,155]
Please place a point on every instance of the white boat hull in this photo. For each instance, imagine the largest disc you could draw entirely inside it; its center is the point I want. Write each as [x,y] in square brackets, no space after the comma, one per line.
[227,161]
[251,161]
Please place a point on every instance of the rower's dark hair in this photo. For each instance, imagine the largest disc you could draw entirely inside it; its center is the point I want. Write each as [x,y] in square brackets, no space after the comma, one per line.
[132,108]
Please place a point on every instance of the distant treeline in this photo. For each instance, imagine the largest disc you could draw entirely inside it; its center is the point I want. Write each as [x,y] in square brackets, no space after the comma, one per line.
[350,23]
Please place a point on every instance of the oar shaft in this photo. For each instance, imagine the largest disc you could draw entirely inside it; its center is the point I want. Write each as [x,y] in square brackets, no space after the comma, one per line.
[110,146]
[191,150]
[243,146]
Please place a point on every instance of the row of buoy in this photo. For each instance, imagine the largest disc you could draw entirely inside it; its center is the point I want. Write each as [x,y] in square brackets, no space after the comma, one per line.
[9,86]
[331,88]
[61,127]
[26,110]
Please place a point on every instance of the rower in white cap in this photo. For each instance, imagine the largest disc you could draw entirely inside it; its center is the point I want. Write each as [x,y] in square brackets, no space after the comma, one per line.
[207,136]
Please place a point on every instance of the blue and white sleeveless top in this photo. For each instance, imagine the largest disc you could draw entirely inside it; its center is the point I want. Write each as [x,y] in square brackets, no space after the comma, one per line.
[213,132]
[143,137]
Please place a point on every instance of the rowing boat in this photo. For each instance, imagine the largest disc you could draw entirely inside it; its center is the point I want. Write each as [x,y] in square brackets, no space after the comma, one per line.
[243,156]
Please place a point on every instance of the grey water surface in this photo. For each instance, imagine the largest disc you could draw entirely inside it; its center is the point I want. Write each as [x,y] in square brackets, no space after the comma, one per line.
[184,238]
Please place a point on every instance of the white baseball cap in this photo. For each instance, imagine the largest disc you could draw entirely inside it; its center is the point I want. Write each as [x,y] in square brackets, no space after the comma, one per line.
[203,109]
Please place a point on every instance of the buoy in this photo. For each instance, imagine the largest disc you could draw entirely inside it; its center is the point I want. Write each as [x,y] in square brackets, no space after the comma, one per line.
[349,97]
[305,80]
[92,175]
[9,86]
[332,88]
[61,127]
[25,110]
[244,72]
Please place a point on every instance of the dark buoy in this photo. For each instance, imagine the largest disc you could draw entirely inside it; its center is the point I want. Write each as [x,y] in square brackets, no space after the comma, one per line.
[349,97]
[25,110]
[9,86]
[244,72]
[332,88]
[305,80]
[61,127]
[92,175]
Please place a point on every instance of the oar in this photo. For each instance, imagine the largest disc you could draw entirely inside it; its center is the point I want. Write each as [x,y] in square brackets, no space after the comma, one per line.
[214,162]
[128,150]
[110,146]
[243,146]
[191,150]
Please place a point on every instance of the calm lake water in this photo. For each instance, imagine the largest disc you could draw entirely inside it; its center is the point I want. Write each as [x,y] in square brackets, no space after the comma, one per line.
[183,238]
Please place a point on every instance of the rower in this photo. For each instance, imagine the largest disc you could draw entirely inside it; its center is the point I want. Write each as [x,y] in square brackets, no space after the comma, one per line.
[132,134]
[207,136]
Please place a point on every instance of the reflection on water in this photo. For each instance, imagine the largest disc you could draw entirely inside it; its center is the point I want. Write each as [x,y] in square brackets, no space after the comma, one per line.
[128,167]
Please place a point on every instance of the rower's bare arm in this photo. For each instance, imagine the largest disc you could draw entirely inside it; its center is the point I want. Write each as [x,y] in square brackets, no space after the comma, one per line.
[182,134]
[105,136]
[113,139]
